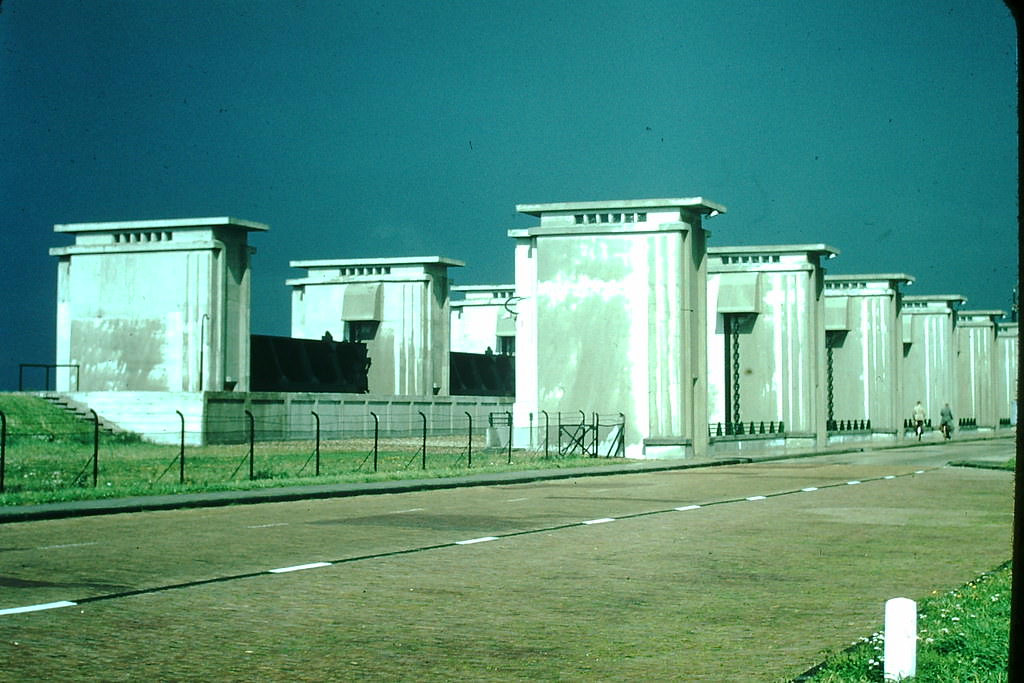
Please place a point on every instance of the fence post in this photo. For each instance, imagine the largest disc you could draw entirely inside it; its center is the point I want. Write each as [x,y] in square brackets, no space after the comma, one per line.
[424,466]
[470,458]
[181,450]
[376,433]
[547,420]
[509,416]
[3,448]
[95,447]
[597,428]
[252,443]
[622,436]
[317,442]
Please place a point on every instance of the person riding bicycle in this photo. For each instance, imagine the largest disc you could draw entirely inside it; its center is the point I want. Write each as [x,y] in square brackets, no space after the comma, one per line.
[947,421]
[919,417]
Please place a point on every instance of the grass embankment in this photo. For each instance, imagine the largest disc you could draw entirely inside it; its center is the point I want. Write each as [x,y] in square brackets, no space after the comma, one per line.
[49,458]
[963,635]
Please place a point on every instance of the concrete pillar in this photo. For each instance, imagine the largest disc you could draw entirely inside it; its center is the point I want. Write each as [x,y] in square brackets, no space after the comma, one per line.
[929,353]
[976,367]
[766,304]
[612,318]
[159,305]
[398,307]
[1007,355]
[865,337]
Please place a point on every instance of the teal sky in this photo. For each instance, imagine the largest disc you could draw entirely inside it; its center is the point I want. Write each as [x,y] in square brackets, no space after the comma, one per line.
[366,129]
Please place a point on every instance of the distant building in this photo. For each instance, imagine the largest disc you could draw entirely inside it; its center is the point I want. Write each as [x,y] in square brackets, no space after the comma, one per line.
[929,353]
[483,319]
[977,367]
[612,319]
[155,305]
[766,340]
[1007,355]
[398,307]
[864,350]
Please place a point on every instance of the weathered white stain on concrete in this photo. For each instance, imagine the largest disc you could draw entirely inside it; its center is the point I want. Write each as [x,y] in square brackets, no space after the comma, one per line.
[867,359]
[160,305]
[612,319]
[929,352]
[976,366]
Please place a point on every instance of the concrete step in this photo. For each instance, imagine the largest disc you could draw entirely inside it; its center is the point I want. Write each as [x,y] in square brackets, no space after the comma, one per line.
[80,411]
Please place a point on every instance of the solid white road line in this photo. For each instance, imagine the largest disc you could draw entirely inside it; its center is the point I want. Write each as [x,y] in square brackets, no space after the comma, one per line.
[299,567]
[482,539]
[37,608]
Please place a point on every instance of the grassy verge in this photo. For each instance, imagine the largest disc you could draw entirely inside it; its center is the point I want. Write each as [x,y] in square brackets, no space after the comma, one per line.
[50,458]
[963,635]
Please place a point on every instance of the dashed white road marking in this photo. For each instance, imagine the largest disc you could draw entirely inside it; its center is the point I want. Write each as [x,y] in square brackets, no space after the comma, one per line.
[852,483]
[266,526]
[482,539]
[809,488]
[58,546]
[37,608]
[602,520]
[299,567]
[889,476]
[687,507]
[516,500]
[402,512]
[756,497]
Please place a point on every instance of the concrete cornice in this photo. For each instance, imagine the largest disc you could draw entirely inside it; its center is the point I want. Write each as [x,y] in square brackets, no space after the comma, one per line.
[696,204]
[776,249]
[397,261]
[179,223]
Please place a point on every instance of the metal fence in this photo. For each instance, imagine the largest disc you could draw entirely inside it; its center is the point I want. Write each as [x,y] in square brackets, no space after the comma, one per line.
[259,450]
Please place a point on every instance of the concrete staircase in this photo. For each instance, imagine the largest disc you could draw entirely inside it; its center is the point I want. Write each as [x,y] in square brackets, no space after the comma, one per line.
[80,411]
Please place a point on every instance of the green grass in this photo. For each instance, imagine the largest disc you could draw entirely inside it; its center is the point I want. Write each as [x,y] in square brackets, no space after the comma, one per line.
[49,458]
[963,637]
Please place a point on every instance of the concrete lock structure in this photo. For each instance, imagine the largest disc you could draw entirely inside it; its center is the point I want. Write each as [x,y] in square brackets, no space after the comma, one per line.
[1007,359]
[398,307]
[976,368]
[154,305]
[766,344]
[864,353]
[929,353]
[612,320]
[482,320]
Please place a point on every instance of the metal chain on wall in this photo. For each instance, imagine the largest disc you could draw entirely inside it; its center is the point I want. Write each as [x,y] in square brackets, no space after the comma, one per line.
[828,347]
[734,328]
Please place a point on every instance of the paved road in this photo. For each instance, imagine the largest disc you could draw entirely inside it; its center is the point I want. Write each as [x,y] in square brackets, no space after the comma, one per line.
[743,572]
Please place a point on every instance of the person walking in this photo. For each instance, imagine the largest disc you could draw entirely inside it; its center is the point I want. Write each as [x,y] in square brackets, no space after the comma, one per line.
[946,415]
[919,417]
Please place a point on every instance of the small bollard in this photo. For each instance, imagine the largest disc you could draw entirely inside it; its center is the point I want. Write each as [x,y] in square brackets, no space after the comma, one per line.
[900,639]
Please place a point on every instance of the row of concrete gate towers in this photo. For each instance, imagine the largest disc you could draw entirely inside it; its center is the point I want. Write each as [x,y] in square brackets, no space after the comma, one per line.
[620,308]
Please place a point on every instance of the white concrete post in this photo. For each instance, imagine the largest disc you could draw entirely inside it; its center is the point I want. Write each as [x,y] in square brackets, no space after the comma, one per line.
[900,639]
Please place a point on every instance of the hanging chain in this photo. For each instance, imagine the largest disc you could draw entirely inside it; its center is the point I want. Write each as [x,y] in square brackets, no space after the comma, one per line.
[734,333]
[831,416]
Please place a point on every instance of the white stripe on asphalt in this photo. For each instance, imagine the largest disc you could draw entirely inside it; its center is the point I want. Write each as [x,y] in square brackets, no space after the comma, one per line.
[266,526]
[756,497]
[603,520]
[37,608]
[852,483]
[687,507]
[299,567]
[810,488]
[482,539]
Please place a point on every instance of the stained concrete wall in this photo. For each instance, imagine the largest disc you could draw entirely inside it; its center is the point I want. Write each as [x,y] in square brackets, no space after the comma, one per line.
[483,319]
[154,305]
[865,338]
[405,301]
[976,367]
[766,337]
[929,353]
[1007,359]
[612,319]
